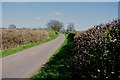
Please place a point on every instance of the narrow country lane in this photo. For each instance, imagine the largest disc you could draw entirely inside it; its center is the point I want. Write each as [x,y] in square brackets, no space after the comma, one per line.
[24,64]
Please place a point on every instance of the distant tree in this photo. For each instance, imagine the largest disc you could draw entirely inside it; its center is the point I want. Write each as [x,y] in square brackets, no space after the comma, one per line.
[70,27]
[12,26]
[55,25]
[40,28]
[62,29]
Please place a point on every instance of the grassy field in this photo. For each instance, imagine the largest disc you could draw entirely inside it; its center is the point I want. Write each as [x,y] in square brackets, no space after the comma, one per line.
[58,65]
[10,51]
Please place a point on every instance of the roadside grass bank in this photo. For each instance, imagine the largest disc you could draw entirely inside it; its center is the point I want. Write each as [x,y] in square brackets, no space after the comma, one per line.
[58,66]
[10,51]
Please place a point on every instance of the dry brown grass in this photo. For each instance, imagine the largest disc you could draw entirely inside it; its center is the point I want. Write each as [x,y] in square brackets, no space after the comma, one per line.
[12,38]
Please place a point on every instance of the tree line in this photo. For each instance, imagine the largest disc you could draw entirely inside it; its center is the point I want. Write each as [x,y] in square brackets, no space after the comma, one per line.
[56,25]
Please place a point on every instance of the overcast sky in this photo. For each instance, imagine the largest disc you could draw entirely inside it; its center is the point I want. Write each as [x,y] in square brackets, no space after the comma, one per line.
[36,14]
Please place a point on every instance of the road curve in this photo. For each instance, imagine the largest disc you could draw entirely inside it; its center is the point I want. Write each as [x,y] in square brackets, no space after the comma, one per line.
[24,64]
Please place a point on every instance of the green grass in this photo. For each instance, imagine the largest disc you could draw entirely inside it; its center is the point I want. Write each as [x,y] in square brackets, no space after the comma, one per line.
[26,46]
[58,66]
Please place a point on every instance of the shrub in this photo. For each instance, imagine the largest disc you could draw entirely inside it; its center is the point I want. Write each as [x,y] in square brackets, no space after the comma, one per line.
[96,53]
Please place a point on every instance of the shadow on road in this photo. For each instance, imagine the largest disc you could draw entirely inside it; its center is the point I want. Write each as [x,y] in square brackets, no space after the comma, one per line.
[59,65]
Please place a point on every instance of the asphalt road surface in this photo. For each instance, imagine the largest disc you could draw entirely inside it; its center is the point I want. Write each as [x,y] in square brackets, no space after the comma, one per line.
[26,63]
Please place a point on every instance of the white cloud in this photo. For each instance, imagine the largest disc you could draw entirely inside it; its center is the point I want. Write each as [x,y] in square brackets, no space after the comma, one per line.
[57,13]
[38,18]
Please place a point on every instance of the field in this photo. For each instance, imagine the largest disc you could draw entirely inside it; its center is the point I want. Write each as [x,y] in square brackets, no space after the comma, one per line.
[14,40]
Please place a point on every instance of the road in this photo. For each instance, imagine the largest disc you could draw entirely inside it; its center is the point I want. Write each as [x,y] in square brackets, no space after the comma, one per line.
[26,63]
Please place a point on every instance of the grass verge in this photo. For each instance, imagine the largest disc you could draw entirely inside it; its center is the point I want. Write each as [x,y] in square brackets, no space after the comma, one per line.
[58,66]
[26,46]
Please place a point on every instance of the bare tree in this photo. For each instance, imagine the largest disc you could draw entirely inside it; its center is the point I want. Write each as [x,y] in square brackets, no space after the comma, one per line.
[70,27]
[55,25]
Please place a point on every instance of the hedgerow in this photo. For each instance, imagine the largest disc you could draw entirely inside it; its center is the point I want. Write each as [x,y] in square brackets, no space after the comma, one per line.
[12,38]
[96,53]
